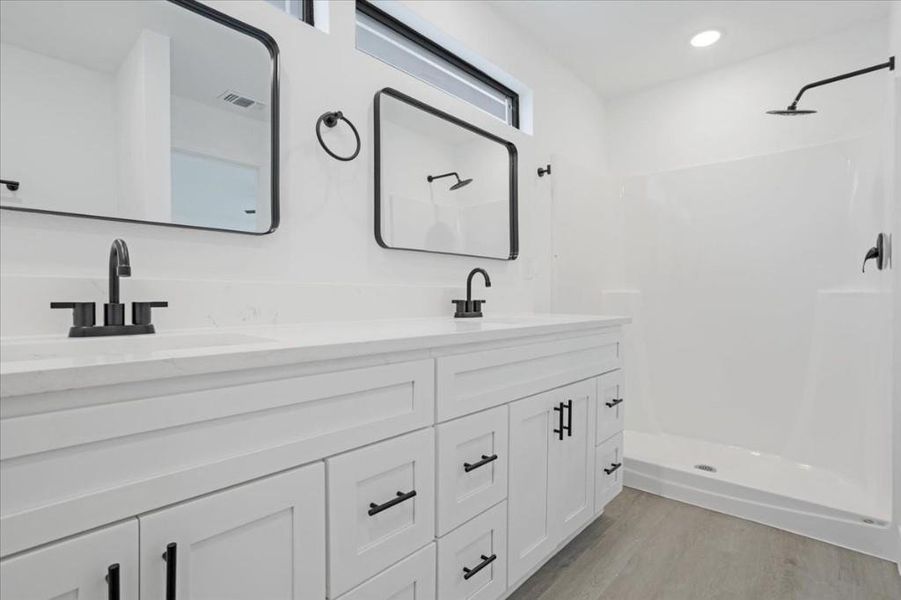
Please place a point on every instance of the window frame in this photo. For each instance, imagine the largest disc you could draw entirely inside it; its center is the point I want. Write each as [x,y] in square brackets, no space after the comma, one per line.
[402,29]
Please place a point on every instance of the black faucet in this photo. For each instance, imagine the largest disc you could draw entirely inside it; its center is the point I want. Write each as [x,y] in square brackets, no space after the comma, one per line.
[119,266]
[470,308]
[84,313]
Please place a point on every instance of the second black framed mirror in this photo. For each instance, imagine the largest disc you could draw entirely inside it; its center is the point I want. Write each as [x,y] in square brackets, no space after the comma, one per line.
[442,185]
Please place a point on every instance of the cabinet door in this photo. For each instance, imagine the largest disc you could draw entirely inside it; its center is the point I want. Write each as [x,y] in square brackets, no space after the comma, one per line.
[77,568]
[572,460]
[531,536]
[611,405]
[263,540]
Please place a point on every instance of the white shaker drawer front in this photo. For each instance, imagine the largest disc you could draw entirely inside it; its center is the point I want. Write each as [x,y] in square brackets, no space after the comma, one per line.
[472,466]
[101,564]
[472,559]
[413,578]
[611,404]
[609,475]
[381,506]
[471,382]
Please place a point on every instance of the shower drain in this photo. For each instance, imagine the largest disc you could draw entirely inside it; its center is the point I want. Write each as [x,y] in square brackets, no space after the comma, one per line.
[708,468]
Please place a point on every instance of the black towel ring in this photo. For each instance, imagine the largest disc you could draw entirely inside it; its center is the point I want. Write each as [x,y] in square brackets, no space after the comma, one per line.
[331,119]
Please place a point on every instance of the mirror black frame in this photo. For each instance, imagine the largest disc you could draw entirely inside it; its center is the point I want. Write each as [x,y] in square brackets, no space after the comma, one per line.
[268,41]
[511,149]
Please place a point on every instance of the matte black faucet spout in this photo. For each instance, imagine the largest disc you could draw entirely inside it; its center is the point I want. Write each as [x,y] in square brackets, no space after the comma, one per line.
[469,281]
[471,308]
[119,266]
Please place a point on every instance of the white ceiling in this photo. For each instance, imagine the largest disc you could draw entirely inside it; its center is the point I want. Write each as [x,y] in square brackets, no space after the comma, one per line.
[621,46]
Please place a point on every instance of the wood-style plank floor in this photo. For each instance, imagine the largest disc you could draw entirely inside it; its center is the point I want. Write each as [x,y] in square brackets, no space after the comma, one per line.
[645,547]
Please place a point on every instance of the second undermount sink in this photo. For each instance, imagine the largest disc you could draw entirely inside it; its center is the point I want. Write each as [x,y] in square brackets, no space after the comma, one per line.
[132,346]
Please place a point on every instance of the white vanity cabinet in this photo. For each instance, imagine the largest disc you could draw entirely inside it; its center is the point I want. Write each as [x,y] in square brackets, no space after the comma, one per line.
[447,464]
[100,564]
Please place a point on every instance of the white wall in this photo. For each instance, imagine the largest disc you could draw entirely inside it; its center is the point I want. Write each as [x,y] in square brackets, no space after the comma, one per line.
[323,261]
[735,240]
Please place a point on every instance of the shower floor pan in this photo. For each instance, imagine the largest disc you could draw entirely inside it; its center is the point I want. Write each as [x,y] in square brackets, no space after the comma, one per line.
[767,489]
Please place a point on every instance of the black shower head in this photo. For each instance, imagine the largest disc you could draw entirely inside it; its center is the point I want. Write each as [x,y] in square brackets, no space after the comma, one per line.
[790,112]
[460,182]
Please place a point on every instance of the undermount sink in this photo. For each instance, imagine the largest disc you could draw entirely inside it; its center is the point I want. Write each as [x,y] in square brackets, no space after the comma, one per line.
[16,351]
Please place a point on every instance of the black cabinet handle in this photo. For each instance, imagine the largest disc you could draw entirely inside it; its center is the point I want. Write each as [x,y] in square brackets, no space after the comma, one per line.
[112,582]
[613,402]
[569,418]
[486,560]
[467,467]
[375,509]
[559,432]
[171,558]
[613,467]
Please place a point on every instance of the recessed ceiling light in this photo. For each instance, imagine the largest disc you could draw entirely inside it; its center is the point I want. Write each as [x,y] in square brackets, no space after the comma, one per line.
[706,38]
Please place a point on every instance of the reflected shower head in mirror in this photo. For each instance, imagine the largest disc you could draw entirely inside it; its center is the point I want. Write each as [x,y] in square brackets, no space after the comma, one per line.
[460,182]
[790,111]
[793,109]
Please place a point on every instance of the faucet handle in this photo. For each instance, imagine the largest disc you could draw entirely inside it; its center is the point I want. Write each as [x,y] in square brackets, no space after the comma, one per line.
[141,311]
[84,314]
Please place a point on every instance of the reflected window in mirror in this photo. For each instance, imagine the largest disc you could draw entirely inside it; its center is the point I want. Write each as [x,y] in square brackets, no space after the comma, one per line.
[169,117]
[299,9]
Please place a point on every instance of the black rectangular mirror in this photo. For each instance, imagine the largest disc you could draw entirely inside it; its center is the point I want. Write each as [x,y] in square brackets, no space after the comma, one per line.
[161,111]
[441,184]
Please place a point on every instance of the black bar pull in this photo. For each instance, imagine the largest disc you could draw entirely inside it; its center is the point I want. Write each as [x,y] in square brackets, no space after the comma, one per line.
[613,402]
[486,560]
[112,582]
[10,184]
[467,467]
[613,467]
[569,418]
[375,509]
[171,558]
[559,432]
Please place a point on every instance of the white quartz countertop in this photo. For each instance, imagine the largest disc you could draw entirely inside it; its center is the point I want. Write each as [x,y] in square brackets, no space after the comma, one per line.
[31,365]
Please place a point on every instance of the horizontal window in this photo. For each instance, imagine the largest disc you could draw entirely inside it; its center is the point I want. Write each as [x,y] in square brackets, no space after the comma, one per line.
[382,36]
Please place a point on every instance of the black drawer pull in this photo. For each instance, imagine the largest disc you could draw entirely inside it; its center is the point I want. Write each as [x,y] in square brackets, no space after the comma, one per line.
[569,418]
[559,432]
[171,558]
[467,467]
[375,509]
[613,467]
[614,402]
[112,582]
[486,560]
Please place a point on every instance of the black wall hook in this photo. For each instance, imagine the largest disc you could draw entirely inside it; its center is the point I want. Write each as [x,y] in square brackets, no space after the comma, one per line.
[331,119]
[544,171]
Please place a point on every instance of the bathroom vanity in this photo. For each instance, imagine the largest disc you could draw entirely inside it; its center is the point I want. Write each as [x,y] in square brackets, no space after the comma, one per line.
[419,458]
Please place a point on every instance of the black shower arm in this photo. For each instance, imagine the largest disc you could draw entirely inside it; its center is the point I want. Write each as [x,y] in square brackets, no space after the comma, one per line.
[890,65]
[452,173]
